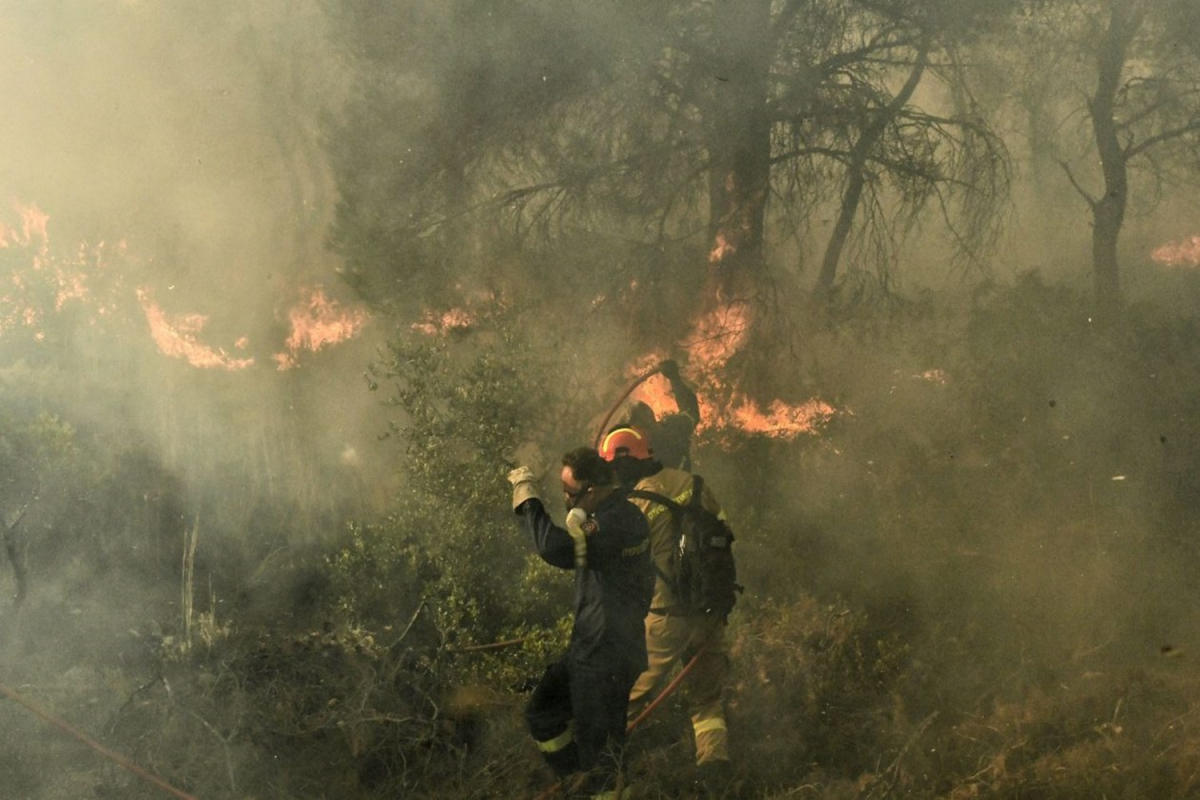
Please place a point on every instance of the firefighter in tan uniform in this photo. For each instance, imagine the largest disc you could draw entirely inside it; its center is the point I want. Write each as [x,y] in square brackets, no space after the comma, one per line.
[672,636]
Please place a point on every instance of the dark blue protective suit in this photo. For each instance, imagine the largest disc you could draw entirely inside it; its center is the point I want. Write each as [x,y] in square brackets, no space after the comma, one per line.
[577,713]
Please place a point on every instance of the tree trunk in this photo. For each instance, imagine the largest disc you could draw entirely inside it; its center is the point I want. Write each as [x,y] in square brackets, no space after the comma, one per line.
[16,558]
[739,147]
[855,182]
[857,178]
[1108,212]
[1107,217]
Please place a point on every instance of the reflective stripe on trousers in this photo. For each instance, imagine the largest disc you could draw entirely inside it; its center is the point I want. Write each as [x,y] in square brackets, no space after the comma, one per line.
[704,726]
[670,641]
[557,743]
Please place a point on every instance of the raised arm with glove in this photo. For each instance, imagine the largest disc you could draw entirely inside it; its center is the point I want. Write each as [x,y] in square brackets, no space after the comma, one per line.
[525,487]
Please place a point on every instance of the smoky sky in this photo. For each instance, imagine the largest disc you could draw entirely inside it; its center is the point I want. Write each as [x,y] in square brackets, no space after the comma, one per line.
[153,124]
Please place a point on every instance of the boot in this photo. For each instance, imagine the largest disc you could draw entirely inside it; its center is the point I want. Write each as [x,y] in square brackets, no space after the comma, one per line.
[714,779]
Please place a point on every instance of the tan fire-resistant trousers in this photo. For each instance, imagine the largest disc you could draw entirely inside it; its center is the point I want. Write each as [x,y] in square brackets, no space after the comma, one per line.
[668,640]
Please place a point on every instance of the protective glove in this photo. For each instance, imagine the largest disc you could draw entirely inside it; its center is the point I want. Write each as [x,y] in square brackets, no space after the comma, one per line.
[525,486]
[685,396]
[575,519]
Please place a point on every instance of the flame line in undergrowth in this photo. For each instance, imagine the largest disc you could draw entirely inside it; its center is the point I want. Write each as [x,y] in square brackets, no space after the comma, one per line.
[317,322]
[47,283]
[1176,254]
[177,338]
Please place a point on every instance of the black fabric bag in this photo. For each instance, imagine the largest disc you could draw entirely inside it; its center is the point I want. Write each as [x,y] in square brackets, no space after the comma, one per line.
[704,575]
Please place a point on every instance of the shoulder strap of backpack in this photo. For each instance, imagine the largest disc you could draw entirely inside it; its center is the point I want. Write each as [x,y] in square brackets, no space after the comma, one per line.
[676,511]
[661,499]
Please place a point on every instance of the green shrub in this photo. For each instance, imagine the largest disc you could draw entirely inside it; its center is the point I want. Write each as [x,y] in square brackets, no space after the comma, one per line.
[451,544]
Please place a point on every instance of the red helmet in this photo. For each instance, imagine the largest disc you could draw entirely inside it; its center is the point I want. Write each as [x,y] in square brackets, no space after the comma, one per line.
[626,441]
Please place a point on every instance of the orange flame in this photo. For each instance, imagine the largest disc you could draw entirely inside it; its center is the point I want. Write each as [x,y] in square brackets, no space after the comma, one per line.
[715,338]
[177,337]
[33,226]
[1175,254]
[316,322]
[721,248]
[451,321]
[655,392]
[20,307]
[781,420]
[46,284]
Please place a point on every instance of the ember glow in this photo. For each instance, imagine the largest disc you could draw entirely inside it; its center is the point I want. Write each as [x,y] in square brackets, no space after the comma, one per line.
[1179,254]
[433,324]
[715,338]
[15,313]
[32,227]
[317,322]
[71,286]
[178,337]
[34,276]
[721,249]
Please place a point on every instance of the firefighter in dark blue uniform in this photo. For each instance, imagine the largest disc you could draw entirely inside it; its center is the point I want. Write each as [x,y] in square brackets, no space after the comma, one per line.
[578,711]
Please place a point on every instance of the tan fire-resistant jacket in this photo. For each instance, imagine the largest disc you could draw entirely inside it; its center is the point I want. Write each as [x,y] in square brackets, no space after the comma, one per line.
[677,485]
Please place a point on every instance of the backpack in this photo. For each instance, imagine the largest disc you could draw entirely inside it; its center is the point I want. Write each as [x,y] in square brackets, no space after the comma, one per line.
[704,574]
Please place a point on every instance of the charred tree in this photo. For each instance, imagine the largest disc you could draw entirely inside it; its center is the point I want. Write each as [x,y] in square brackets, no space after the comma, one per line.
[16,557]
[676,143]
[738,141]
[1144,118]
[1108,210]
[857,176]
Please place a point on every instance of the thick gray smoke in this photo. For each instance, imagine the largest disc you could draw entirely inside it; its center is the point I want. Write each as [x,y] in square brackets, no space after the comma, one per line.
[980,493]
[183,139]
[169,154]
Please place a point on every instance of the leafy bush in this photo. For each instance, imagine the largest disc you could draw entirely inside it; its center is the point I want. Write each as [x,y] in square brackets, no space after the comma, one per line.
[452,544]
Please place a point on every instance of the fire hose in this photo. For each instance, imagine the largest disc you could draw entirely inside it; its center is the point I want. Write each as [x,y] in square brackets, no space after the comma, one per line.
[92,743]
[645,376]
[663,695]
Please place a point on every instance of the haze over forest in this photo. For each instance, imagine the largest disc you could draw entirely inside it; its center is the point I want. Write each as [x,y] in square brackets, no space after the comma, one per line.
[288,286]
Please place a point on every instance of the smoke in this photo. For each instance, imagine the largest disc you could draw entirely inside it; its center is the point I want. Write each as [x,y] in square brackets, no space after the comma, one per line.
[1017,514]
[186,136]
[961,490]
[172,150]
